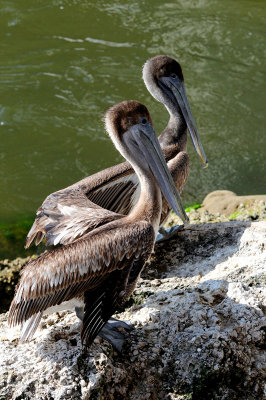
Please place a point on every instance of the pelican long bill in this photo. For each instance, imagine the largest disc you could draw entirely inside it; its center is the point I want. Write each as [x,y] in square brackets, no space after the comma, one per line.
[177,88]
[148,142]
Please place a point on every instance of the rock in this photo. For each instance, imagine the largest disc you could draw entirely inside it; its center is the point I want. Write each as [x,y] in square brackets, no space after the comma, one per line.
[199,332]
[222,206]
[9,276]
[226,202]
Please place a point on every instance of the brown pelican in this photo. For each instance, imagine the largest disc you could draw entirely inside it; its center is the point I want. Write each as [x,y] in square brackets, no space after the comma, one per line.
[164,79]
[102,267]
[117,188]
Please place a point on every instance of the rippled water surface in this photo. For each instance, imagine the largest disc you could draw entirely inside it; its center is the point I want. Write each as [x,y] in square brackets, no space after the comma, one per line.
[62,63]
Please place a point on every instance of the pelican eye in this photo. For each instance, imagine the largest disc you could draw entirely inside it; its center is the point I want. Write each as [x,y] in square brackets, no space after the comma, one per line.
[143,121]
[174,76]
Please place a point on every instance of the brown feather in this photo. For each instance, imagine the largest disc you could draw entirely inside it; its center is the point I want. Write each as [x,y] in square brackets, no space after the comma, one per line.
[90,260]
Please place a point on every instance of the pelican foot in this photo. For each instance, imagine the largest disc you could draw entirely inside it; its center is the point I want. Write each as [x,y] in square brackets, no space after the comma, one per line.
[166,234]
[110,333]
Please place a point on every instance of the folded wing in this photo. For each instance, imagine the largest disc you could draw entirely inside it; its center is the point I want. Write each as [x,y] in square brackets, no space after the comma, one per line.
[70,213]
[69,271]
[67,215]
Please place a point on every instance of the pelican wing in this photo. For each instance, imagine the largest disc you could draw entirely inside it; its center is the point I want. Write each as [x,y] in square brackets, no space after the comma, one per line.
[70,213]
[116,188]
[67,272]
[118,195]
[64,217]
[67,215]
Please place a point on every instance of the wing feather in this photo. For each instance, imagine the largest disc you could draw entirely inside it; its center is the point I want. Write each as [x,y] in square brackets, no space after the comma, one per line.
[119,196]
[82,266]
[65,216]
[103,301]
[30,326]
[70,213]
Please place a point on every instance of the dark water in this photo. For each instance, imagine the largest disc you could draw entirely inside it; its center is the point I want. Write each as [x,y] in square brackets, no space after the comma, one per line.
[62,63]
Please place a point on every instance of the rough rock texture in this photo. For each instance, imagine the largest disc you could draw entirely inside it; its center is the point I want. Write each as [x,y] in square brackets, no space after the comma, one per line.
[200,326]
[226,202]
[222,206]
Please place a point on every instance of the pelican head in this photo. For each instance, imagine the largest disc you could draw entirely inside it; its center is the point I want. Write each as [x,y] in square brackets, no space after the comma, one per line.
[164,79]
[130,128]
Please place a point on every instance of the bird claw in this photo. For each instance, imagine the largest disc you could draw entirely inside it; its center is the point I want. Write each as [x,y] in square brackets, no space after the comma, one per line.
[166,234]
[110,333]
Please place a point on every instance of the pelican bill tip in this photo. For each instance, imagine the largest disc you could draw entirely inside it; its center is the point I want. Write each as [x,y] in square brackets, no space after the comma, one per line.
[185,223]
[185,220]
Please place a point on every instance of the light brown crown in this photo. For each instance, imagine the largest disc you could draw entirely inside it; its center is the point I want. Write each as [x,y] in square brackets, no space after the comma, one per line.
[122,116]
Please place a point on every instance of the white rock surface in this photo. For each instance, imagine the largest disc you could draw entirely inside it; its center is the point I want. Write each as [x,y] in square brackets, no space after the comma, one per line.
[199,332]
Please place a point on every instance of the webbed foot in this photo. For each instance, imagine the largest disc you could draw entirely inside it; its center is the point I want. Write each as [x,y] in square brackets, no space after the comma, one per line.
[166,234]
[110,333]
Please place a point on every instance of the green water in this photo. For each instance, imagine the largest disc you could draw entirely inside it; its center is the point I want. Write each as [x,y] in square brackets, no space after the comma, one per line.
[62,63]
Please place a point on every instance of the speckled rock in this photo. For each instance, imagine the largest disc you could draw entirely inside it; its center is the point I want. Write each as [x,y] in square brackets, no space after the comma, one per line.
[199,330]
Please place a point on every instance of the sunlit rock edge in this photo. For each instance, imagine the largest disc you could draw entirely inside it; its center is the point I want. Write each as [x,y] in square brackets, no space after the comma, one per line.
[199,330]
